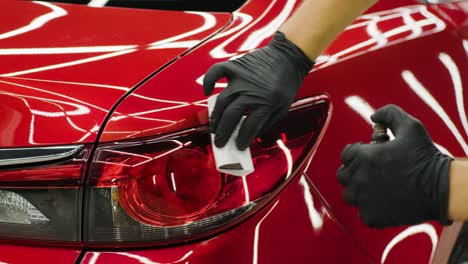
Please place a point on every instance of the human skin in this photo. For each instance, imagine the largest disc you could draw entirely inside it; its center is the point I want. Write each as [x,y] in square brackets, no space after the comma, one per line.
[316,23]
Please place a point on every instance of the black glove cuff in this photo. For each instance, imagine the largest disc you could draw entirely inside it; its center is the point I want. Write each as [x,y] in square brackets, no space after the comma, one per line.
[295,53]
[443,188]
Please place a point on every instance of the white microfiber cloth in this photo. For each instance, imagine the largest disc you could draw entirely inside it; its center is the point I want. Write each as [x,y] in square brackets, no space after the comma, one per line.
[229,159]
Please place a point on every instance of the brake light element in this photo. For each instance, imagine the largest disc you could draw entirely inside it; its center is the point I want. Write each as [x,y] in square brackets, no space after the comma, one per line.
[41,202]
[167,189]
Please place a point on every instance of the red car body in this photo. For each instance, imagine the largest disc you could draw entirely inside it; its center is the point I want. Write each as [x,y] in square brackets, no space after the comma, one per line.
[78,75]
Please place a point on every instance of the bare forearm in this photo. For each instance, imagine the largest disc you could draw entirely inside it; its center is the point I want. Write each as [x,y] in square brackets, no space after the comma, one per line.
[458,194]
[317,22]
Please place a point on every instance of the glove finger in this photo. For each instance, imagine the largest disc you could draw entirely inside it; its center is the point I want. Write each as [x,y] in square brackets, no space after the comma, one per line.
[345,173]
[392,117]
[224,99]
[273,120]
[351,194]
[350,152]
[251,126]
[365,217]
[229,120]
[216,72]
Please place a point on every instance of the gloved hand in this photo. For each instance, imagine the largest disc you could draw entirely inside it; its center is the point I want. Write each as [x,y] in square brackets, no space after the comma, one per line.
[262,84]
[400,182]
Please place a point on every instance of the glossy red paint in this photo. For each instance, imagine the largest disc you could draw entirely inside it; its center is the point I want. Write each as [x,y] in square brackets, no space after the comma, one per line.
[295,228]
[423,74]
[362,70]
[39,255]
[65,66]
[407,36]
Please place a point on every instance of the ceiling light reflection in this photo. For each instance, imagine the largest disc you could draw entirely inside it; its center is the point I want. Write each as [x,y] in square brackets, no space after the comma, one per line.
[457,86]
[37,22]
[315,217]
[65,50]
[209,22]
[70,63]
[427,98]
[257,37]
[220,53]
[287,154]
[257,234]
[427,229]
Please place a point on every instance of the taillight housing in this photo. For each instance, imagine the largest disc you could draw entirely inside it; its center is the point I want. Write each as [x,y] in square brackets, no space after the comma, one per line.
[156,191]
[166,189]
[41,201]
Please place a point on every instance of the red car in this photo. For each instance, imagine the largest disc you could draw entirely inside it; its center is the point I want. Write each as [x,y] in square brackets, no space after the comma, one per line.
[105,154]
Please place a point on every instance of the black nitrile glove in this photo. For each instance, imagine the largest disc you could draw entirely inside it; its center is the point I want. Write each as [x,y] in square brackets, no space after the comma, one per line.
[262,84]
[400,182]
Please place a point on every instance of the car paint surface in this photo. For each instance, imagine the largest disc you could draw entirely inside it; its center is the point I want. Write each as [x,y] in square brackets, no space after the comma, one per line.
[385,44]
[11,253]
[415,51]
[65,66]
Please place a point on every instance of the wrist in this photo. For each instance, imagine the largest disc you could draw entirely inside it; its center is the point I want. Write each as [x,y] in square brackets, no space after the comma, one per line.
[458,194]
[443,190]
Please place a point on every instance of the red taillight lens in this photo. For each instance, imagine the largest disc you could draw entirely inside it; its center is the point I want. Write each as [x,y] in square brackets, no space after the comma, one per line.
[167,189]
[42,202]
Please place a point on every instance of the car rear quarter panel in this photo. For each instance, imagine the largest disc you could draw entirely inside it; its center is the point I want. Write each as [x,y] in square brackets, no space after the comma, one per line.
[425,72]
[12,254]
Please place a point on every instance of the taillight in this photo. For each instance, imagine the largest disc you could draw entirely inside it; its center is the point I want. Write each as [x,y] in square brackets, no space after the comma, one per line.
[41,202]
[167,189]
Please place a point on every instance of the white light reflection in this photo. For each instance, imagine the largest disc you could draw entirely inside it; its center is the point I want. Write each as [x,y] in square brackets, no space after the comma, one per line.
[37,22]
[98,3]
[465,45]
[145,260]
[56,94]
[417,29]
[457,85]
[80,109]
[287,154]
[176,45]
[408,19]
[257,234]
[258,36]
[315,218]
[120,116]
[246,189]
[217,84]
[145,157]
[94,258]
[363,108]
[31,131]
[184,257]
[122,88]
[139,114]
[210,22]
[411,231]
[373,31]
[219,52]
[174,187]
[424,94]
[244,20]
[65,50]
[71,63]
[139,258]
